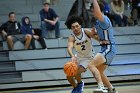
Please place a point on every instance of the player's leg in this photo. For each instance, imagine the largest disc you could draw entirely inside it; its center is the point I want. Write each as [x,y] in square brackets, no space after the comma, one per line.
[97,60]
[105,80]
[96,74]
[77,86]
[80,83]
[102,66]
[71,80]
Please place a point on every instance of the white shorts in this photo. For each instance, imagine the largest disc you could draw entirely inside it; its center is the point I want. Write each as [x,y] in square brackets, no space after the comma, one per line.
[84,61]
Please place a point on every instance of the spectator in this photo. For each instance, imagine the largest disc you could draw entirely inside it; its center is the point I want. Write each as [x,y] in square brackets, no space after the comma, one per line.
[79,8]
[118,10]
[49,20]
[135,11]
[26,28]
[11,31]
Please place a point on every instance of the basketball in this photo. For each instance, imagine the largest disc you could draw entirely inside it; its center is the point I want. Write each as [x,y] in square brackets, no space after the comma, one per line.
[70,68]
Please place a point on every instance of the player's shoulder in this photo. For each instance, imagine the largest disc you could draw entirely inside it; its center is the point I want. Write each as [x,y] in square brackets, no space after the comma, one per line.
[71,38]
[87,32]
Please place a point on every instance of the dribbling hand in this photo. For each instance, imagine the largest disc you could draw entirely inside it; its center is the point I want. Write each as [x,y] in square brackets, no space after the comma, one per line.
[74,59]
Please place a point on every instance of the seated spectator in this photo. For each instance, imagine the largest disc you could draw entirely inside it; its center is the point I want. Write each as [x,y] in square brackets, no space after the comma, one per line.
[11,32]
[26,28]
[118,12]
[135,11]
[49,20]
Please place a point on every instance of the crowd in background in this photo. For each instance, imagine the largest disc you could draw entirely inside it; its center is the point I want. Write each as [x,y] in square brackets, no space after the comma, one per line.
[13,31]
[116,11]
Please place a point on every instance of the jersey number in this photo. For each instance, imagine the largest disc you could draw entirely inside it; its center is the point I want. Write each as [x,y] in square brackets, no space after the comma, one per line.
[83,47]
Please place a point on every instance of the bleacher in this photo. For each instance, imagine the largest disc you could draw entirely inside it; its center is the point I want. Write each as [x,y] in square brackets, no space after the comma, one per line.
[33,68]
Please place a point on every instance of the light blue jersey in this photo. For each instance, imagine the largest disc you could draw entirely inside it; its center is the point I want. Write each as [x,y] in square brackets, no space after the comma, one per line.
[105,33]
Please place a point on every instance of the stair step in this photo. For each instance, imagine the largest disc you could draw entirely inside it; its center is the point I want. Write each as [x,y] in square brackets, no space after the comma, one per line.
[4,58]
[7,69]
[10,80]
[7,66]
[10,77]
[4,54]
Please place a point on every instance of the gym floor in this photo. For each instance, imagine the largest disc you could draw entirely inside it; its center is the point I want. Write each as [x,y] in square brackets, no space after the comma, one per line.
[124,87]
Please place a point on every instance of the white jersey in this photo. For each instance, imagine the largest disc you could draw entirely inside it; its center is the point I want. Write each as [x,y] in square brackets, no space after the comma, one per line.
[83,45]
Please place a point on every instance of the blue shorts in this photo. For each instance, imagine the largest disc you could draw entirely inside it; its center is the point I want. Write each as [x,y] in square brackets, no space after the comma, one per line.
[109,54]
[109,57]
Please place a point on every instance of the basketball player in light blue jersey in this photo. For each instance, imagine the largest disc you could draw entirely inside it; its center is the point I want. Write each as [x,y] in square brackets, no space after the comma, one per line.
[105,33]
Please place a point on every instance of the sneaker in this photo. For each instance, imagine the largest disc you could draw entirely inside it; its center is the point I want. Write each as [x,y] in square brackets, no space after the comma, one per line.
[46,48]
[80,87]
[100,91]
[112,91]
[74,90]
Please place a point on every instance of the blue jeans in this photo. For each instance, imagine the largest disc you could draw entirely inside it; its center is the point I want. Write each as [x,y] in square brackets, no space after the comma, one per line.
[119,20]
[45,27]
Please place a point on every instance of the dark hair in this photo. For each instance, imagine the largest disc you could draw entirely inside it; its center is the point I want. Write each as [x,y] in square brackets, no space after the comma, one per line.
[46,3]
[72,19]
[119,3]
[11,13]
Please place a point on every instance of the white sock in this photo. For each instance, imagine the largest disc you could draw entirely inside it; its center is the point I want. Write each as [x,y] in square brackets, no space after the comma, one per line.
[101,85]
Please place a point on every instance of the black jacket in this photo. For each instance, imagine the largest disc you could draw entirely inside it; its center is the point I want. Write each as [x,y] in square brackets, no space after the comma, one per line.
[11,28]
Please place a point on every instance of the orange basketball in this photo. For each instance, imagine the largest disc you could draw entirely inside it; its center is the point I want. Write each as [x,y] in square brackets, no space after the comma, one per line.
[70,68]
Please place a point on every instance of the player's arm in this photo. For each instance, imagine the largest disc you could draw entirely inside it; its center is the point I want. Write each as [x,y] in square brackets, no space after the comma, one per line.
[70,48]
[96,11]
[92,33]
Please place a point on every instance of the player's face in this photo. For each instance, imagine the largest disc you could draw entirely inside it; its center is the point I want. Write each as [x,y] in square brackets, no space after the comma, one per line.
[76,28]
[46,7]
[12,17]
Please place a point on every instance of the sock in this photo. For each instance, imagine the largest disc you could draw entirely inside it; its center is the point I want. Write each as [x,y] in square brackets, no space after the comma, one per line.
[101,85]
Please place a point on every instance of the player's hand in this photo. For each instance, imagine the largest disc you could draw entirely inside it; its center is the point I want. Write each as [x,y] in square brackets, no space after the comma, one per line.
[73,59]
[104,42]
[94,32]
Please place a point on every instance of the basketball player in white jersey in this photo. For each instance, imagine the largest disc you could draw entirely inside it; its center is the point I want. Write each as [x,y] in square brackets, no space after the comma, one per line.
[80,40]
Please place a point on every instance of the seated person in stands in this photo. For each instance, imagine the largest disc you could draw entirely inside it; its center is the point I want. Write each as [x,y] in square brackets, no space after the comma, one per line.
[49,20]
[118,10]
[26,28]
[135,11]
[11,32]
